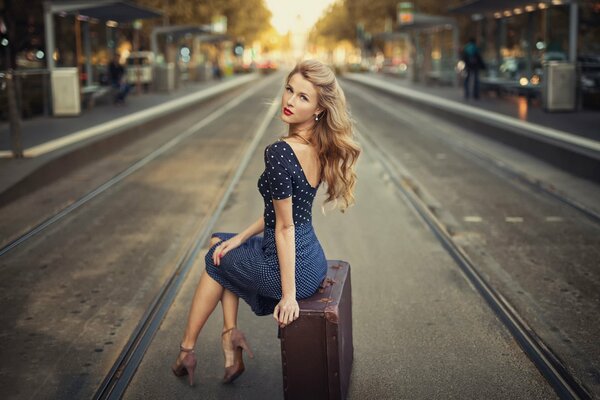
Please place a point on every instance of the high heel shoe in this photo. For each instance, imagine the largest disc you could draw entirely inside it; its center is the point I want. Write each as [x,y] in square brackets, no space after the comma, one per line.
[187,366]
[238,342]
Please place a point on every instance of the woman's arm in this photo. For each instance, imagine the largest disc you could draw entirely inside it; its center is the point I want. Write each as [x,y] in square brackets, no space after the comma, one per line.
[280,179]
[237,240]
[286,247]
[257,227]
[287,310]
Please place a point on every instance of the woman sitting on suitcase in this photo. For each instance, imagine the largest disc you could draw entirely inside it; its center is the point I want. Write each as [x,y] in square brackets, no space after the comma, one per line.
[271,272]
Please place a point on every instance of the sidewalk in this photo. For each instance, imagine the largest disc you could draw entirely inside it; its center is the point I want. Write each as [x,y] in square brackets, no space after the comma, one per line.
[47,138]
[582,123]
[568,141]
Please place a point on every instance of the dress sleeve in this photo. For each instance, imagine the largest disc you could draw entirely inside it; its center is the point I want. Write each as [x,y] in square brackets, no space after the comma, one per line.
[278,173]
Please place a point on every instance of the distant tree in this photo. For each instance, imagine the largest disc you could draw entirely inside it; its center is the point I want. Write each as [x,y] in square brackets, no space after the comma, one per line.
[334,25]
[340,20]
[246,19]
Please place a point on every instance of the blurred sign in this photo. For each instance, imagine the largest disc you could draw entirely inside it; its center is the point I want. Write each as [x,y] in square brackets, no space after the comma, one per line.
[388,24]
[360,31]
[406,13]
[219,24]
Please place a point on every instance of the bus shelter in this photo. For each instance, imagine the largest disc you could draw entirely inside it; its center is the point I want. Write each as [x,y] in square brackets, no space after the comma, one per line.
[517,37]
[190,51]
[429,46]
[111,13]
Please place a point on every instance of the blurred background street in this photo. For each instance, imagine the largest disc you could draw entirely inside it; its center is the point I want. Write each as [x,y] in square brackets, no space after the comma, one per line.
[132,130]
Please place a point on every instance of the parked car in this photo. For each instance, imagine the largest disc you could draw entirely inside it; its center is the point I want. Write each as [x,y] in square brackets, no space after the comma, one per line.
[589,79]
[266,66]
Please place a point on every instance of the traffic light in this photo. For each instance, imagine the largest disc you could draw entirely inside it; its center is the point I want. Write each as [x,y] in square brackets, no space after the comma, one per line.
[3,33]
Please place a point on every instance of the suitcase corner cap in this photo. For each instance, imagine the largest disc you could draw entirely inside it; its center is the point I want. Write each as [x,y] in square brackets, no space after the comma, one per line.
[332,313]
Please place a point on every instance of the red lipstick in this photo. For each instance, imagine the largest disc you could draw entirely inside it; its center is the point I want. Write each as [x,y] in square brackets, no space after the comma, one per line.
[287,111]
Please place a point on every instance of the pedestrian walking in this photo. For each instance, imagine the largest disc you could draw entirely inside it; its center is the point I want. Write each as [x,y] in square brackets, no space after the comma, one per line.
[217,71]
[118,79]
[272,271]
[473,61]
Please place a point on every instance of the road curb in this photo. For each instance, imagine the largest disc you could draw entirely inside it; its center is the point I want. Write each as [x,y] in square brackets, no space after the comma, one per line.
[577,155]
[103,139]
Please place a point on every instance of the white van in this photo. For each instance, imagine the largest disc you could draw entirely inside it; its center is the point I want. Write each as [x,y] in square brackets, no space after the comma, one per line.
[142,63]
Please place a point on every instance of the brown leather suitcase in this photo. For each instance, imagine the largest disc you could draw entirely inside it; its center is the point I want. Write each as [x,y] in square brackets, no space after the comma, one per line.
[317,349]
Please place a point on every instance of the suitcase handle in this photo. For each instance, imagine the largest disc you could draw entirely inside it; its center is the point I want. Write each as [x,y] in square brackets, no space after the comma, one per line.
[327,282]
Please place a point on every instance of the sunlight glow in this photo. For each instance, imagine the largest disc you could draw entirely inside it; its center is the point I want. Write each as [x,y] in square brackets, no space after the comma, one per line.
[285,13]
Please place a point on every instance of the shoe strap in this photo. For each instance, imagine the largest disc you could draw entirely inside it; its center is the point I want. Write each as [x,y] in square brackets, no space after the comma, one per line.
[185,350]
[224,332]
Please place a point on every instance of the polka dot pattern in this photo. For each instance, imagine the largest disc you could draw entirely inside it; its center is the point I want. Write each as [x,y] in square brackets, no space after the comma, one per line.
[251,271]
[284,177]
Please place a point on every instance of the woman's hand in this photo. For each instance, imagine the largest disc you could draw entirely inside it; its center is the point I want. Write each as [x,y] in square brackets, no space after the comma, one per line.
[286,311]
[224,247]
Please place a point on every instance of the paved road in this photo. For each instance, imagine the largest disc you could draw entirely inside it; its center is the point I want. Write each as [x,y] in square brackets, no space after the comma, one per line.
[420,330]
[73,295]
[540,254]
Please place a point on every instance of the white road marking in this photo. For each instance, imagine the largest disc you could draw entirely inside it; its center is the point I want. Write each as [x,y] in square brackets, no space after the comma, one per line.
[513,219]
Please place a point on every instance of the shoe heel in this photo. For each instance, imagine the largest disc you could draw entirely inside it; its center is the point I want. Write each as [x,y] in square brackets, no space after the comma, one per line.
[239,340]
[190,371]
[244,345]
[187,366]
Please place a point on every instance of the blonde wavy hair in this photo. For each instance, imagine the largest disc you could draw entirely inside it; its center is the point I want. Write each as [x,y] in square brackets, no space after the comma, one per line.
[333,133]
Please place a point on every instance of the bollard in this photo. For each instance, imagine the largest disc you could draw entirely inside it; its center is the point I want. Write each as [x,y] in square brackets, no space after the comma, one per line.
[13,116]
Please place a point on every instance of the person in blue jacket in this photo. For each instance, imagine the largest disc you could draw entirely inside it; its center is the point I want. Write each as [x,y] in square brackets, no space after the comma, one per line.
[473,63]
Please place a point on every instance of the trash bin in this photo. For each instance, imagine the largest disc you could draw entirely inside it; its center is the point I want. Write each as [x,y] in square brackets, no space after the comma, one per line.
[66,99]
[203,72]
[558,90]
[164,77]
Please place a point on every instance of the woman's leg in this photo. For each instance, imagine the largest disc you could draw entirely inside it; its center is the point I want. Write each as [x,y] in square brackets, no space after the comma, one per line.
[230,303]
[207,295]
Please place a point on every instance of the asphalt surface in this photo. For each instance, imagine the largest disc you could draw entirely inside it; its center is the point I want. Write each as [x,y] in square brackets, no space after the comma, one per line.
[420,329]
[72,295]
[539,253]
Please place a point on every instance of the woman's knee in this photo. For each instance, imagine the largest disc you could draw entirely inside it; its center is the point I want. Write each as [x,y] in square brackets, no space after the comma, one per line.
[214,240]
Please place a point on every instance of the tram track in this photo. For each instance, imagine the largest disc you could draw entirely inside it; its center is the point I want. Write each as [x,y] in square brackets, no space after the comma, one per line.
[180,179]
[116,381]
[565,384]
[548,363]
[137,165]
[555,295]
[124,368]
[487,160]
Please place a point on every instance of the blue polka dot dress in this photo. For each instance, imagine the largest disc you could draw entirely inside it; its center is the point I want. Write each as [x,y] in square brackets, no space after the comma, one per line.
[251,270]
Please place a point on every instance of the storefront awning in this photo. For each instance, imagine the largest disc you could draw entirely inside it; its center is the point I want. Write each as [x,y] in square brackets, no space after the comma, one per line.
[203,32]
[104,10]
[427,21]
[420,22]
[492,6]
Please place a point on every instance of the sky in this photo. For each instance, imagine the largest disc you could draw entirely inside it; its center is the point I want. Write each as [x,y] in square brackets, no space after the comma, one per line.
[285,12]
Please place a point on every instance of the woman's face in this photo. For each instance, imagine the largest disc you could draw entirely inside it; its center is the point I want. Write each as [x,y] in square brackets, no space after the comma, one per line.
[299,97]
